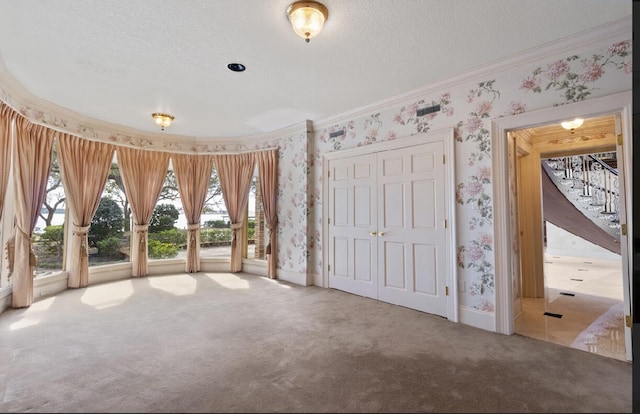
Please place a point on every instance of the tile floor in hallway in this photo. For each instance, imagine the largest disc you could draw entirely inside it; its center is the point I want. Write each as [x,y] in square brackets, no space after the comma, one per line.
[587,292]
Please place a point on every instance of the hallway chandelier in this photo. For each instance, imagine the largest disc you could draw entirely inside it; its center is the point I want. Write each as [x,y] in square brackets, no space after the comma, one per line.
[307,18]
[163,120]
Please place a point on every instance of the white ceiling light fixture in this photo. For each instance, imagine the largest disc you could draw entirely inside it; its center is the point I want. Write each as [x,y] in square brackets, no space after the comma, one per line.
[572,125]
[163,120]
[307,18]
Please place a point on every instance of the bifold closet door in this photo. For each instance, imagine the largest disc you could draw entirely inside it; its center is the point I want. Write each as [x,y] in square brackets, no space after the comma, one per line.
[411,228]
[352,225]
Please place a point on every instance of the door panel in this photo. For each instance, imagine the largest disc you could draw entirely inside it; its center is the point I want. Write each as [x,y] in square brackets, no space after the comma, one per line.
[341,206]
[412,274]
[424,201]
[387,233]
[422,162]
[341,256]
[362,207]
[362,259]
[394,263]
[352,247]
[425,259]
[393,209]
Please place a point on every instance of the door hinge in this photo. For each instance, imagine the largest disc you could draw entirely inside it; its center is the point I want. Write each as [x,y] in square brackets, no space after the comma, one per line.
[443,159]
[445,224]
[329,267]
[627,320]
[623,229]
[446,290]
[619,139]
[329,220]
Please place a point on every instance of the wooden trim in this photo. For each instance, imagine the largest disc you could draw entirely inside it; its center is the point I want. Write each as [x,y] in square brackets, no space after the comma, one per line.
[619,102]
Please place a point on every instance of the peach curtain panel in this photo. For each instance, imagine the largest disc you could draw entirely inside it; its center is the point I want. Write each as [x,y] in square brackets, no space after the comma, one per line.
[268,171]
[235,172]
[143,173]
[7,115]
[193,173]
[32,154]
[84,167]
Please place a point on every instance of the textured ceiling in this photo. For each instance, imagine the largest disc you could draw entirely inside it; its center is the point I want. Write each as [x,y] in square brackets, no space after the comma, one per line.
[121,60]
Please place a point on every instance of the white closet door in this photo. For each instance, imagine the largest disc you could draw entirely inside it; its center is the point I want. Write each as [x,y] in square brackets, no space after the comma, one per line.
[352,227]
[412,249]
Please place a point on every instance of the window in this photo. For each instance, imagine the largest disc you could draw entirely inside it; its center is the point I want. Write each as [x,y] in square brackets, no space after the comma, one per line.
[257,237]
[215,233]
[110,230]
[168,225]
[48,234]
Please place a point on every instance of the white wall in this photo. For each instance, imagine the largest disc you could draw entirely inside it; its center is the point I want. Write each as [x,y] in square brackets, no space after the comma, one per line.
[562,243]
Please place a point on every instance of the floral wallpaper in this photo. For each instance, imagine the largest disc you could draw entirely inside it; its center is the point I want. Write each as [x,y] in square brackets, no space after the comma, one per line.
[574,76]
[468,108]
[293,210]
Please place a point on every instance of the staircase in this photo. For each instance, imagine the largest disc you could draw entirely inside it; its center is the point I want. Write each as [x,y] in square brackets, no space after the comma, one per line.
[590,184]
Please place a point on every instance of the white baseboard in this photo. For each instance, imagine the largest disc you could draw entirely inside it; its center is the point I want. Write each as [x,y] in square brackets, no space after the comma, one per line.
[316,279]
[50,285]
[166,266]
[474,317]
[5,298]
[293,277]
[215,265]
[109,273]
[255,267]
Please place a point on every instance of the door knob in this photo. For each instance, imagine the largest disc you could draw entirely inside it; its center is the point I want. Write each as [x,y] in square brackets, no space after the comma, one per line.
[372,232]
[381,234]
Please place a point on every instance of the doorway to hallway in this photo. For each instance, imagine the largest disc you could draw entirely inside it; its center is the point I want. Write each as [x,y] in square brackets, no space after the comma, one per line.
[569,282]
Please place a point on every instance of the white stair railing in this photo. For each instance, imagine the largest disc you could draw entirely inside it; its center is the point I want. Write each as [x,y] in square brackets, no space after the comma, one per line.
[590,182]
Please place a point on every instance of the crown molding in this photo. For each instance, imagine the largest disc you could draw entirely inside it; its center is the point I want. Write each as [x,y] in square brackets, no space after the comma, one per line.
[257,139]
[42,112]
[595,38]
[48,114]
[58,118]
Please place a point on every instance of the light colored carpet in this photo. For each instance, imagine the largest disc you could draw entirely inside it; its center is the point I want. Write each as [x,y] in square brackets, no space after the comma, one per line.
[242,343]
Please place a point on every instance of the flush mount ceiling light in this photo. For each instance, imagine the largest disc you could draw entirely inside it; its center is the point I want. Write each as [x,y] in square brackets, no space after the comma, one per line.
[572,125]
[164,120]
[307,18]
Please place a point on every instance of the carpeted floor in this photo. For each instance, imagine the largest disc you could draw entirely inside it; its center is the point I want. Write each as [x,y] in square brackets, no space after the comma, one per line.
[242,343]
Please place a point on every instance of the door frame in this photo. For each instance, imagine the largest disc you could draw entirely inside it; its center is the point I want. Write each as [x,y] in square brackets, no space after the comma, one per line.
[446,135]
[619,103]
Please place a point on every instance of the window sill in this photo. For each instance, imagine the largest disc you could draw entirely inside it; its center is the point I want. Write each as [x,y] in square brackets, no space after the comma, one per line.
[109,267]
[255,262]
[50,278]
[215,259]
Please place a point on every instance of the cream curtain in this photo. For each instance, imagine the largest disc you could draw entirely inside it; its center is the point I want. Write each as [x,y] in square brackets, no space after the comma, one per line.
[32,155]
[143,174]
[235,172]
[7,115]
[193,173]
[268,171]
[84,167]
